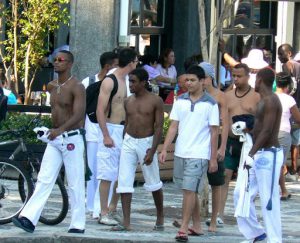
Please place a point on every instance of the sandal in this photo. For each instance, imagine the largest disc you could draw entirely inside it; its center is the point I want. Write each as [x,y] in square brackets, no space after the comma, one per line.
[120,228]
[194,233]
[181,237]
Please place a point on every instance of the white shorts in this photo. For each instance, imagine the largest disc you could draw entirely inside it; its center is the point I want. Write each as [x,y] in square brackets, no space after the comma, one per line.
[133,152]
[93,131]
[108,159]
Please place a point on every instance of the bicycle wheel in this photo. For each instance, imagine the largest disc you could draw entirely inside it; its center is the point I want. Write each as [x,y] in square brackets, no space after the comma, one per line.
[11,201]
[57,205]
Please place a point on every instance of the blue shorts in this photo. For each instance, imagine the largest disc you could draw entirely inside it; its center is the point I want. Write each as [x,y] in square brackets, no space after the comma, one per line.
[295,133]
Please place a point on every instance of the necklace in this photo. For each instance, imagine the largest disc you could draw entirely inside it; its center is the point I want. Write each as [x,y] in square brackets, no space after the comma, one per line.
[236,95]
[60,85]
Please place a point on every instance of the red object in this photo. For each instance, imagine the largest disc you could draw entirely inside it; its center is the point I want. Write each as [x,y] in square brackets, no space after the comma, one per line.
[170,98]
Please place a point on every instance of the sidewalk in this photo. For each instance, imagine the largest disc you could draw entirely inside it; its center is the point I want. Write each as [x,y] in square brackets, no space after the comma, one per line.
[143,220]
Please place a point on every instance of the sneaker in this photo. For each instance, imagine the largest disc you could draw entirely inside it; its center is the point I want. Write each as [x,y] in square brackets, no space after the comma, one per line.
[116,216]
[76,231]
[260,237]
[291,177]
[220,223]
[107,220]
[23,223]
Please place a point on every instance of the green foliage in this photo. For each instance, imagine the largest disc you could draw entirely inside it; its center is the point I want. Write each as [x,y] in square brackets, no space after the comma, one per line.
[167,122]
[28,24]
[21,120]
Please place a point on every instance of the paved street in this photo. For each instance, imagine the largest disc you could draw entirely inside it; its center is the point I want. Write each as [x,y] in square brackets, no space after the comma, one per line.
[143,219]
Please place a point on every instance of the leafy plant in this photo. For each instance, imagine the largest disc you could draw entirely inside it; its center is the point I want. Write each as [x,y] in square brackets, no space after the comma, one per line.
[28,24]
[21,120]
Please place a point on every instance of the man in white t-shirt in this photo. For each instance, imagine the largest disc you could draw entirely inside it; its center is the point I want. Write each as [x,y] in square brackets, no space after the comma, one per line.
[108,62]
[195,115]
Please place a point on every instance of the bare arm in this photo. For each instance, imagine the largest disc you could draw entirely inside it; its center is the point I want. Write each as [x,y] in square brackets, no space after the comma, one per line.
[158,128]
[103,100]
[213,165]
[225,127]
[172,131]
[295,114]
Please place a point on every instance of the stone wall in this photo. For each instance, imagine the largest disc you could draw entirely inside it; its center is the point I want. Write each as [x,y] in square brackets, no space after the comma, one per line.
[93,30]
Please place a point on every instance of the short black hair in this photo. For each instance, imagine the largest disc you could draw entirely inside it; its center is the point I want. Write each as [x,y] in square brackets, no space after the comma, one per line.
[148,59]
[243,66]
[283,80]
[192,60]
[107,58]
[141,74]
[126,56]
[196,70]
[70,55]
[267,76]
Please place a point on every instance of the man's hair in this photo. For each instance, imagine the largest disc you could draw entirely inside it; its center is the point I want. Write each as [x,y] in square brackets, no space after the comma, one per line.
[148,59]
[126,56]
[107,58]
[267,76]
[69,54]
[283,80]
[287,47]
[196,70]
[141,74]
[243,66]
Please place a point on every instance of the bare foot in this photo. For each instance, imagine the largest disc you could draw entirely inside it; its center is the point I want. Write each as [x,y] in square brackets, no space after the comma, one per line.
[212,228]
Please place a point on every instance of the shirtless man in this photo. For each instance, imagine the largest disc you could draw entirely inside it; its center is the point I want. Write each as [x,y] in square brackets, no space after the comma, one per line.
[241,101]
[216,180]
[112,129]
[265,160]
[68,111]
[143,131]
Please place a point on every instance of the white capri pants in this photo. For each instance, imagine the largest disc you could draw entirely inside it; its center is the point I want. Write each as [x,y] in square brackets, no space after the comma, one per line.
[133,152]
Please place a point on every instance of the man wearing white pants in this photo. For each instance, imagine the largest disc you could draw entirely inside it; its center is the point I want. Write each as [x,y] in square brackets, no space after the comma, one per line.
[108,63]
[68,106]
[264,163]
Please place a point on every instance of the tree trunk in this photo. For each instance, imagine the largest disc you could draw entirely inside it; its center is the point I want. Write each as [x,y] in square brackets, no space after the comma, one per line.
[15,23]
[26,76]
[203,33]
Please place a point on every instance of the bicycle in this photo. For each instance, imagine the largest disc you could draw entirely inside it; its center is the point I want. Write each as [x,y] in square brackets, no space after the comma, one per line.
[17,182]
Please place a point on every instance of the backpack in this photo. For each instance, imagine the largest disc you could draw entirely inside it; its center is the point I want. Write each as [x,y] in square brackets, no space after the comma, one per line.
[92,93]
[3,105]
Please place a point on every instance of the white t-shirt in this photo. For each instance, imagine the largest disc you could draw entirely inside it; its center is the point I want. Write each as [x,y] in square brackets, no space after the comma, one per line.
[287,102]
[195,119]
[170,72]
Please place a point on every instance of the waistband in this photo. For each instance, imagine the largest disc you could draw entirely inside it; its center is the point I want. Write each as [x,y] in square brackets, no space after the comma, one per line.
[271,149]
[145,138]
[114,125]
[79,131]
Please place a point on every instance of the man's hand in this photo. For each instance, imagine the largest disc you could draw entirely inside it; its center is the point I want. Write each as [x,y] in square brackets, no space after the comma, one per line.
[162,156]
[148,157]
[248,162]
[53,133]
[108,142]
[212,166]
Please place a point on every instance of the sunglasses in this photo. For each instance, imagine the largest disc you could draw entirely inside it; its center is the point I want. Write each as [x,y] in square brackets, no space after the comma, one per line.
[60,59]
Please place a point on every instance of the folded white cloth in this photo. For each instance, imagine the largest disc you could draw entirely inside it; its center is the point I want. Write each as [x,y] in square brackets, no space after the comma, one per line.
[42,133]
[242,203]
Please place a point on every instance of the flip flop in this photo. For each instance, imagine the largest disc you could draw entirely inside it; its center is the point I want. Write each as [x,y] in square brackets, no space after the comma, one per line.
[176,224]
[120,228]
[159,227]
[194,233]
[285,198]
[181,237]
